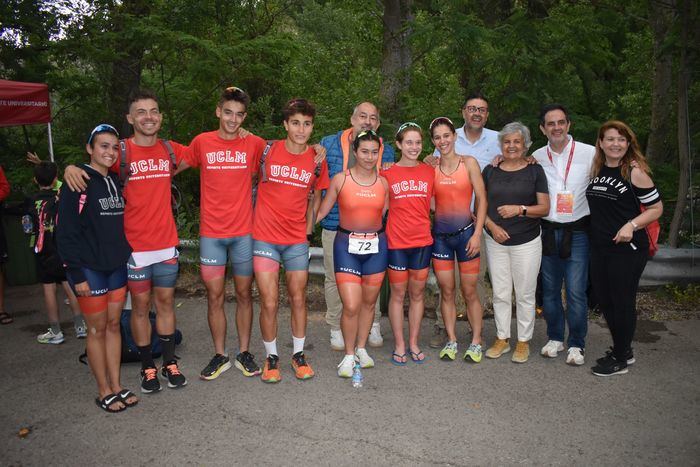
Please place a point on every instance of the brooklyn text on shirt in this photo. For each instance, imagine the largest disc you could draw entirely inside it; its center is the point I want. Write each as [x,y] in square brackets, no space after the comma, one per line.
[621,187]
[228,157]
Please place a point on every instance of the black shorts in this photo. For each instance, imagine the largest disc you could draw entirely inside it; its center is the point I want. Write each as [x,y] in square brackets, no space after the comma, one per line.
[50,269]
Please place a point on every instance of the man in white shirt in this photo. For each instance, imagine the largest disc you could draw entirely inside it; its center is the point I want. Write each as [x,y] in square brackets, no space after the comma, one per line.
[473,139]
[565,247]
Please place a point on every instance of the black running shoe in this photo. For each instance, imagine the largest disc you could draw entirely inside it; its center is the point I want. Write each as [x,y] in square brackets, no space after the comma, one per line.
[172,372]
[218,364]
[149,380]
[610,367]
[245,361]
[630,357]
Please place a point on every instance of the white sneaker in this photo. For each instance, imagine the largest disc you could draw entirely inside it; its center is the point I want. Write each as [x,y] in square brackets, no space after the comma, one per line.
[337,342]
[50,338]
[81,332]
[575,356]
[375,336]
[346,366]
[552,348]
[365,360]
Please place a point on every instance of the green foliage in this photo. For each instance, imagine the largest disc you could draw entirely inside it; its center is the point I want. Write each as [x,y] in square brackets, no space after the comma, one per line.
[594,56]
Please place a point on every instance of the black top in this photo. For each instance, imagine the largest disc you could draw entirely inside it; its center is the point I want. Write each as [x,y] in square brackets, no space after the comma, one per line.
[90,226]
[613,202]
[520,188]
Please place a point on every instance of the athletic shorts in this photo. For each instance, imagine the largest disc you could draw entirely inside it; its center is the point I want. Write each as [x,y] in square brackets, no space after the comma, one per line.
[105,287]
[163,274]
[101,282]
[50,269]
[293,257]
[410,258]
[238,251]
[446,247]
[359,265]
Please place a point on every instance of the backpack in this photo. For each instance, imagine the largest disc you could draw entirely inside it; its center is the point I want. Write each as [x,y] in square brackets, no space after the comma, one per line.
[124,173]
[45,214]
[130,352]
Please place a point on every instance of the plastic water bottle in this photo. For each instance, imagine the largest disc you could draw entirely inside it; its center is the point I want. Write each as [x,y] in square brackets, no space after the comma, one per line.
[27,224]
[357,376]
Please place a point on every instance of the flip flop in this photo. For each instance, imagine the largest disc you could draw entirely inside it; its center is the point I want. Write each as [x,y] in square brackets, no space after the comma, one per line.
[126,394]
[5,318]
[399,362]
[107,401]
[415,355]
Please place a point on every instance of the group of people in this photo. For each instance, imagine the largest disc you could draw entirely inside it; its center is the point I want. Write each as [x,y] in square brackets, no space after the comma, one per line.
[565,206]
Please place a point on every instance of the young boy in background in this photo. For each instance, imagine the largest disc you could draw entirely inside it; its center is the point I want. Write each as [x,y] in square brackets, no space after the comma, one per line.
[42,207]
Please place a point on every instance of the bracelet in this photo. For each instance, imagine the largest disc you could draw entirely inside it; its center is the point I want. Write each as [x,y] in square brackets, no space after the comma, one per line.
[634,226]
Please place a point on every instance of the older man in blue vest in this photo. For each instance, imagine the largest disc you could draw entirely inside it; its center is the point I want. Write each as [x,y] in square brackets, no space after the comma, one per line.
[340,156]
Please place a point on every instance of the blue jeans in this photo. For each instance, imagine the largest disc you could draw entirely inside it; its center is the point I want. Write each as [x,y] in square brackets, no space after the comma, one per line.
[573,271]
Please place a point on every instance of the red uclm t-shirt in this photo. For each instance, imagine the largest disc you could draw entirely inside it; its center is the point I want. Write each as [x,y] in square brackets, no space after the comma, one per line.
[410,190]
[280,209]
[226,167]
[148,217]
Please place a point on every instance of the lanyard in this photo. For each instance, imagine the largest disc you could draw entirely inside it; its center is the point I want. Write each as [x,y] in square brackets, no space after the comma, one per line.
[568,164]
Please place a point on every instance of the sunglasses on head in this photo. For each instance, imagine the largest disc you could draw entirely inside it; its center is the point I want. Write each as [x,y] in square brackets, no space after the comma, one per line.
[102,128]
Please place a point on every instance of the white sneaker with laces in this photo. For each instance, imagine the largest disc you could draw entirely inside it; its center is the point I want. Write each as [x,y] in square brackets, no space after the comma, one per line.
[365,360]
[50,338]
[552,348]
[346,366]
[337,342]
[575,356]
[375,336]
[80,332]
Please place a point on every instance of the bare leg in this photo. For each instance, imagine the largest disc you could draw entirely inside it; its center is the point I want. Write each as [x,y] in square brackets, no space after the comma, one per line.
[296,287]
[398,292]
[446,281]
[351,296]
[244,310]
[475,312]
[215,313]
[268,285]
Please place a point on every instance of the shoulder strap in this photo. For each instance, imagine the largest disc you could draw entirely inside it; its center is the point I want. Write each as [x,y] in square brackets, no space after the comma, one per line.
[263,158]
[171,153]
[123,170]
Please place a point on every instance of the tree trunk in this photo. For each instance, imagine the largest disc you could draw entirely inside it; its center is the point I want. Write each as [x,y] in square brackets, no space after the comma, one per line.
[661,19]
[396,56]
[683,136]
[126,70]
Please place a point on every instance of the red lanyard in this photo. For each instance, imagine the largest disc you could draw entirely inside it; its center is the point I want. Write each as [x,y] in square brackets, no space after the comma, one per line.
[568,165]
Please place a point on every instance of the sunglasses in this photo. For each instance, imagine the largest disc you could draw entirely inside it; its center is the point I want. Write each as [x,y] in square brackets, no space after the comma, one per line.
[407,125]
[102,128]
[234,89]
[366,132]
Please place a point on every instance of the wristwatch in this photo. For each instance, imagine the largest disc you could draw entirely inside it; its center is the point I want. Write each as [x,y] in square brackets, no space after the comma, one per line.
[524,210]
[634,226]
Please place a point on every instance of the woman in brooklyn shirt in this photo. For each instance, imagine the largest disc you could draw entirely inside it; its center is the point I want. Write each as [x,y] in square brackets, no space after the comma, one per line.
[620,185]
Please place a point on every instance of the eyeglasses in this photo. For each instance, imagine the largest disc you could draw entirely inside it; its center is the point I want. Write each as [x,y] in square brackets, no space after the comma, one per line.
[102,128]
[234,89]
[366,132]
[407,125]
[440,120]
[475,109]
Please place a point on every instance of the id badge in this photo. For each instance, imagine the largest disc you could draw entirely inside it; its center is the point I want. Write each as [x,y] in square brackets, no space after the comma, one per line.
[363,244]
[565,203]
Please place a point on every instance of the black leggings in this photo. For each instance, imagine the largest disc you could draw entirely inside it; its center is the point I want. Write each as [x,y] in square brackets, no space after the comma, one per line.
[615,279]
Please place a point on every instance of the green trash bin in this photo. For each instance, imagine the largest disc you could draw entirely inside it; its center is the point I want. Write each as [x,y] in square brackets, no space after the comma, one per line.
[20,268]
